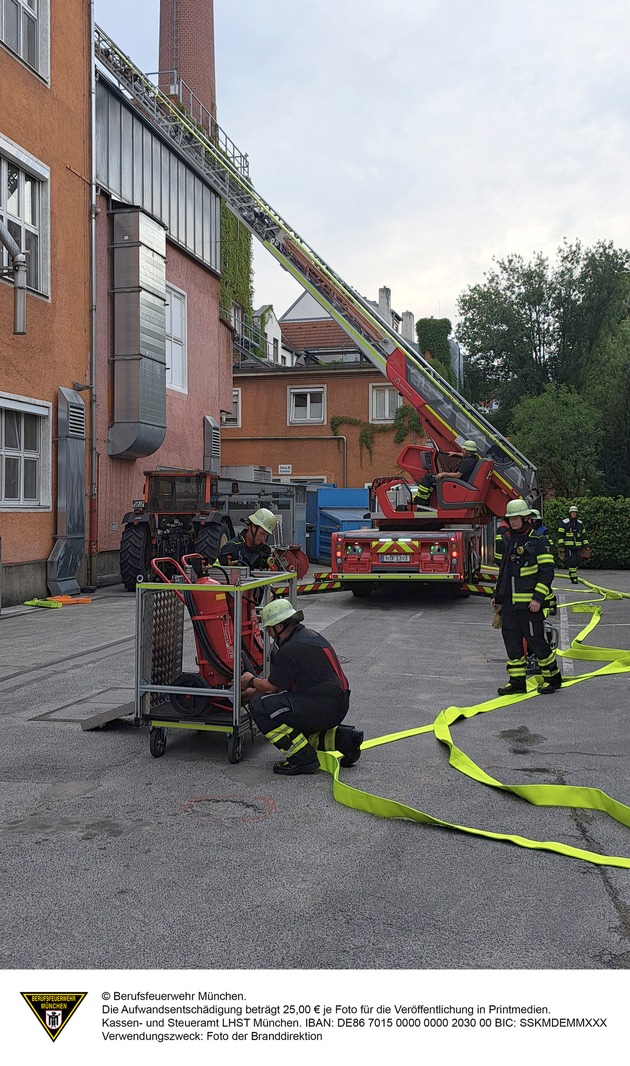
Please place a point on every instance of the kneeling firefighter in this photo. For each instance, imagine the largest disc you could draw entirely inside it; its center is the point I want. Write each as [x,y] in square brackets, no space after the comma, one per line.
[300,707]
[523,586]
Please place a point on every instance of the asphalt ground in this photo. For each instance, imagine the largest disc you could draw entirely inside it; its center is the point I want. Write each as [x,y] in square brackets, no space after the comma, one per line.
[113,859]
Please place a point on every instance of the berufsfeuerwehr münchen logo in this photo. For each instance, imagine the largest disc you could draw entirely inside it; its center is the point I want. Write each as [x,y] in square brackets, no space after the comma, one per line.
[53,1009]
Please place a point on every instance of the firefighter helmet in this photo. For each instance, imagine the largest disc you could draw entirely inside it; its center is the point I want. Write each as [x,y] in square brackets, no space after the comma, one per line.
[264,518]
[517,507]
[573,507]
[535,514]
[279,610]
[470,446]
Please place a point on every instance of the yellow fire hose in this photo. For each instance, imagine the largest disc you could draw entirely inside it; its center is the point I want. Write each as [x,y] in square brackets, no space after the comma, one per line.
[570,796]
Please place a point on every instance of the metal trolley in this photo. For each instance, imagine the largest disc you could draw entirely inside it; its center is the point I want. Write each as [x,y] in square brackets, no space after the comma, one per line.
[160,624]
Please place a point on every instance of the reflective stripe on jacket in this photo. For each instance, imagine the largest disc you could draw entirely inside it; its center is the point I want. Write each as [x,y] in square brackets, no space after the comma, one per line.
[525,568]
[571,534]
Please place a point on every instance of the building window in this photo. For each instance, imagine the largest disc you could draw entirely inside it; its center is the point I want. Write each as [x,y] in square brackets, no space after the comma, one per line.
[24,454]
[307,406]
[384,402]
[20,29]
[24,211]
[276,350]
[176,361]
[233,419]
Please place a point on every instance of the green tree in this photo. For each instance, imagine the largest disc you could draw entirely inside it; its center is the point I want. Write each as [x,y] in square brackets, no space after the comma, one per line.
[529,325]
[560,431]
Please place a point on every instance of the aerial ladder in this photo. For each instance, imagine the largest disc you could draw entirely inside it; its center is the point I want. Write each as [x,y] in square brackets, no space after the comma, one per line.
[448,419]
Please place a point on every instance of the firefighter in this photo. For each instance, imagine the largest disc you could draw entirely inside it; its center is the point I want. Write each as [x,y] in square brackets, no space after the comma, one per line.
[523,586]
[300,707]
[572,542]
[250,548]
[468,459]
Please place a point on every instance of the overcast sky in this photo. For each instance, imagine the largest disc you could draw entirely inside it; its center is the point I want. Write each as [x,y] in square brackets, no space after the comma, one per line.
[410,141]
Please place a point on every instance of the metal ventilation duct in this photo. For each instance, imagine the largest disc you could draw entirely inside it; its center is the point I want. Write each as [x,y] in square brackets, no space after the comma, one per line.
[139,250]
[67,555]
[211,445]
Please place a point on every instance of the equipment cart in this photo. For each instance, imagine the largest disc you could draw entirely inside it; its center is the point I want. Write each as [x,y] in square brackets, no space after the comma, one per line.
[223,613]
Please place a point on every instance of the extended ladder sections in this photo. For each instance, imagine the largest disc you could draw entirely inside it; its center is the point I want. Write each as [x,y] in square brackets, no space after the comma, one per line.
[447,417]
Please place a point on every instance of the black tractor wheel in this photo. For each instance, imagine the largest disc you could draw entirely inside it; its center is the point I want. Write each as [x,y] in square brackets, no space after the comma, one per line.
[135,555]
[189,706]
[211,538]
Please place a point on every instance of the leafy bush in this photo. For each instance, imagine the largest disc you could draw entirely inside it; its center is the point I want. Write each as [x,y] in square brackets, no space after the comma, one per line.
[606,523]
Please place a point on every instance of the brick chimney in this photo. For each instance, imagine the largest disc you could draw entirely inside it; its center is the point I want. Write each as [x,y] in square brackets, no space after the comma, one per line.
[187,46]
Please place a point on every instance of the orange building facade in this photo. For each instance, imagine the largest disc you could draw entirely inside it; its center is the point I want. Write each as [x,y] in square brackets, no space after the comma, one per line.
[45,174]
[282,420]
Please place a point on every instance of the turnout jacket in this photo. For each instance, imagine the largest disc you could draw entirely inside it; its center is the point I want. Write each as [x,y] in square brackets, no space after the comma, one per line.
[237,553]
[525,568]
[571,534]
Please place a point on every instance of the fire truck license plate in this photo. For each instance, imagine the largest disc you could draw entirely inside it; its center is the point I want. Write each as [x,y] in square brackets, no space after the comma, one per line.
[393,558]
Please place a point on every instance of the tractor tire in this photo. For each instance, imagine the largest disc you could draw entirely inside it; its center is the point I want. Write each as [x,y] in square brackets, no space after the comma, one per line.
[211,538]
[135,555]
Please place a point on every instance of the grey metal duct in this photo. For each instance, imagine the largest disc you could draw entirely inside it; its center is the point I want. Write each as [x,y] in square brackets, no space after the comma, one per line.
[211,445]
[139,249]
[67,555]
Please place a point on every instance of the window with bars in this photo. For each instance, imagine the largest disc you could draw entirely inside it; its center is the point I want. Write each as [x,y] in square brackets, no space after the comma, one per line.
[176,357]
[20,210]
[307,406]
[384,402]
[20,29]
[20,458]
[233,419]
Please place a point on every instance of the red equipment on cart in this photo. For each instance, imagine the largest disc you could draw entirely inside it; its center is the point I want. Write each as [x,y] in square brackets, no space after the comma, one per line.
[212,616]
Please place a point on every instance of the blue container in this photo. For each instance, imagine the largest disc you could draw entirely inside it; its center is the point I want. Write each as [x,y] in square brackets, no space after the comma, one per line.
[332,510]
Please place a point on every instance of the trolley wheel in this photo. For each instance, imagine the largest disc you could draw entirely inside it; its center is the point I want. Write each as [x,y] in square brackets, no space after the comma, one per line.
[157,741]
[234,749]
[189,706]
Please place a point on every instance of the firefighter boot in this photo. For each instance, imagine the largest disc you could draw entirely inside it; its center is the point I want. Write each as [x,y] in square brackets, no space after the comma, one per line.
[516,686]
[550,684]
[301,759]
[349,741]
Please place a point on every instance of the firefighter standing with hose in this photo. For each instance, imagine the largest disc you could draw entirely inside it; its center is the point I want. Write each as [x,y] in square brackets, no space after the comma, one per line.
[523,585]
[572,542]
[250,547]
[300,707]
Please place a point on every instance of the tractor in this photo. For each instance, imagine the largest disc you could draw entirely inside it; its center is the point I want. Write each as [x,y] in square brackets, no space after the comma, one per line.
[178,515]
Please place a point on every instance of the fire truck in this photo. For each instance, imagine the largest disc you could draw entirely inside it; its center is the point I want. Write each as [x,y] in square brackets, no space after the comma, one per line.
[442,542]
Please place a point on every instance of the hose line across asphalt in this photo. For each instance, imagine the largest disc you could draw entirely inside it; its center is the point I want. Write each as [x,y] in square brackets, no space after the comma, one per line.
[617,661]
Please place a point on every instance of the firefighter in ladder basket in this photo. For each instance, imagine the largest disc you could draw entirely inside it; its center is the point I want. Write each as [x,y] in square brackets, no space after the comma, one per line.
[468,459]
[523,586]
[302,704]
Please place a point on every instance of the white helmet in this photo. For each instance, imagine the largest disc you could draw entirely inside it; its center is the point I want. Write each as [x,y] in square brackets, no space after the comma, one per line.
[517,507]
[573,507]
[277,611]
[264,518]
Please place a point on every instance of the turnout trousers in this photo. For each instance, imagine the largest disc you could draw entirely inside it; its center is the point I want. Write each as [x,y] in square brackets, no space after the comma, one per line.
[298,723]
[519,626]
